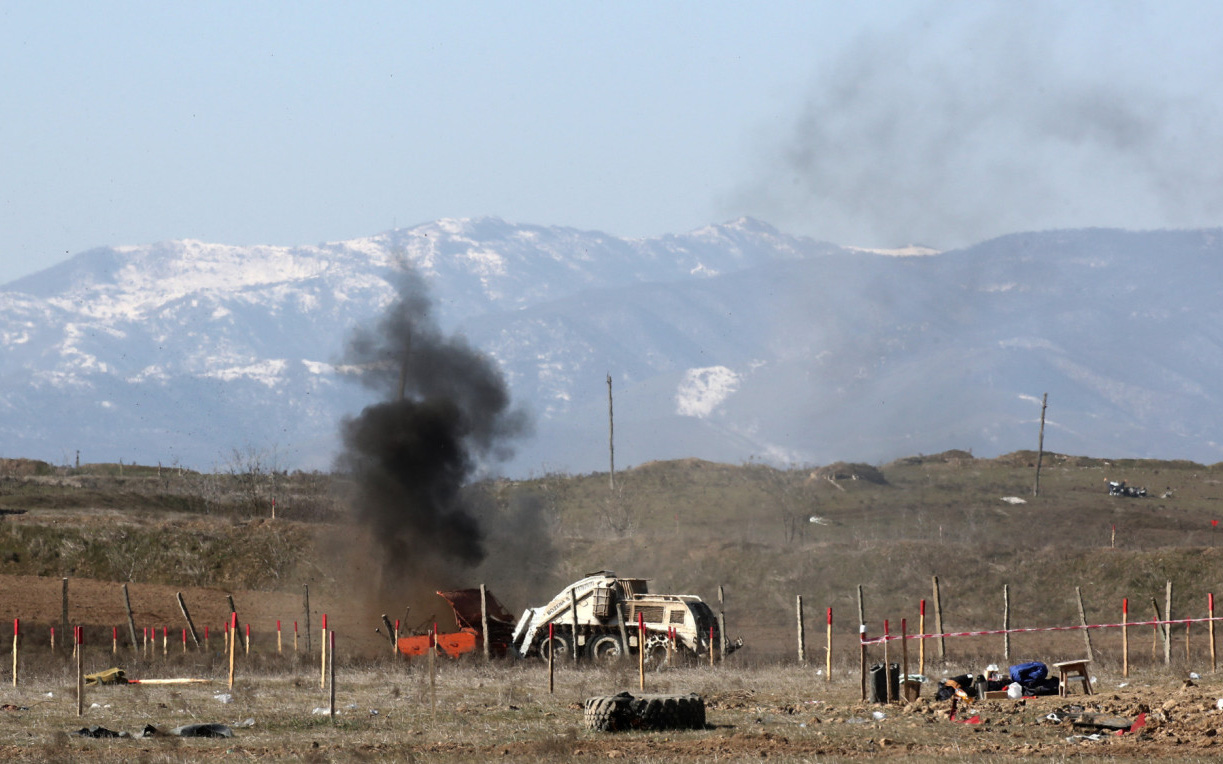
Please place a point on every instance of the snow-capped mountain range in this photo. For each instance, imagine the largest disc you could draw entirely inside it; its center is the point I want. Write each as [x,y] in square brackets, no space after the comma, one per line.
[734,342]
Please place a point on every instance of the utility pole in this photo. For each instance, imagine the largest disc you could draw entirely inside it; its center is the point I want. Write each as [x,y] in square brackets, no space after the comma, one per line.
[1040,450]
[611,436]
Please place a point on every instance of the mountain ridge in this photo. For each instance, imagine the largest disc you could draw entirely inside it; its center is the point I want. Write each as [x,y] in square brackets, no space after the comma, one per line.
[732,342]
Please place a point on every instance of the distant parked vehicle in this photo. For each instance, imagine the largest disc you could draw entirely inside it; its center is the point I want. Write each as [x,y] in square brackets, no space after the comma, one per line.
[1121,489]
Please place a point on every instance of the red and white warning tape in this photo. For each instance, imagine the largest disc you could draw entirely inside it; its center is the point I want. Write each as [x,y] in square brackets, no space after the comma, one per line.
[990,632]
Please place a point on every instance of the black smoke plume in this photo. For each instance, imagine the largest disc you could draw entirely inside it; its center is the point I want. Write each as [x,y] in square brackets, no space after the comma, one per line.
[445,415]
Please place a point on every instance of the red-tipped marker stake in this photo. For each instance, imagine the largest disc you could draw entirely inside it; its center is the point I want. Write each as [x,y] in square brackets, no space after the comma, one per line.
[16,634]
[1125,636]
[828,649]
[322,682]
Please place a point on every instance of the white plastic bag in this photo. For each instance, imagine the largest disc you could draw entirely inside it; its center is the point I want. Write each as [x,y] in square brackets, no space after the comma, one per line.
[1014,690]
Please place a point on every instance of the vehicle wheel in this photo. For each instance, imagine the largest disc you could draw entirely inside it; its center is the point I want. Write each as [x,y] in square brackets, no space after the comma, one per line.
[656,653]
[560,643]
[605,648]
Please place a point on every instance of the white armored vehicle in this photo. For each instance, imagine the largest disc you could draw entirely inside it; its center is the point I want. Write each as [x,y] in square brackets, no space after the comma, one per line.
[598,616]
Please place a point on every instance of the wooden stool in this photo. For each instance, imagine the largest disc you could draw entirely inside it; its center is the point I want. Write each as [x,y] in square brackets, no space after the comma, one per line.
[1068,671]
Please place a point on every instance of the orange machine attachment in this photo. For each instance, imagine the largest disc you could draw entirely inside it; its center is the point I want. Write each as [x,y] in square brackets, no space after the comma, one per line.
[467,617]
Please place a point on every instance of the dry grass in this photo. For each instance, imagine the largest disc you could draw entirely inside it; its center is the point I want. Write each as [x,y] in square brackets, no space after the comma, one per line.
[388,711]
[691,526]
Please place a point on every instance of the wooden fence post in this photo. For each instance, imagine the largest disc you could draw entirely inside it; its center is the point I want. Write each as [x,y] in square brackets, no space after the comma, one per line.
[887,664]
[1210,611]
[938,622]
[641,649]
[433,674]
[862,658]
[1158,629]
[861,607]
[1168,626]
[623,628]
[552,657]
[182,605]
[722,641]
[80,665]
[1078,593]
[306,619]
[131,622]
[488,654]
[1040,449]
[1006,623]
[904,659]
[828,649]
[63,618]
[331,670]
[573,604]
[802,641]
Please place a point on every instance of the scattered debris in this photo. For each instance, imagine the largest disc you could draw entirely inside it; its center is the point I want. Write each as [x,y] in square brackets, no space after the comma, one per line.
[1014,500]
[224,697]
[109,676]
[11,707]
[1103,722]
[1080,738]
[202,730]
[98,732]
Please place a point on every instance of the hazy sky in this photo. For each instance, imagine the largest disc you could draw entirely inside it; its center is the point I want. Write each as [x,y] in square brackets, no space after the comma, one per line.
[874,123]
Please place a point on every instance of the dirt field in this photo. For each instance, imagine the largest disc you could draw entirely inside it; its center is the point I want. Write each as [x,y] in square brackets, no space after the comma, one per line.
[98,605]
[760,704]
[388,709]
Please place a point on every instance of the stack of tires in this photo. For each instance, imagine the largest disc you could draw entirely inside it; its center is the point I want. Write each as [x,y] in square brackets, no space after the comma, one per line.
[611,713]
